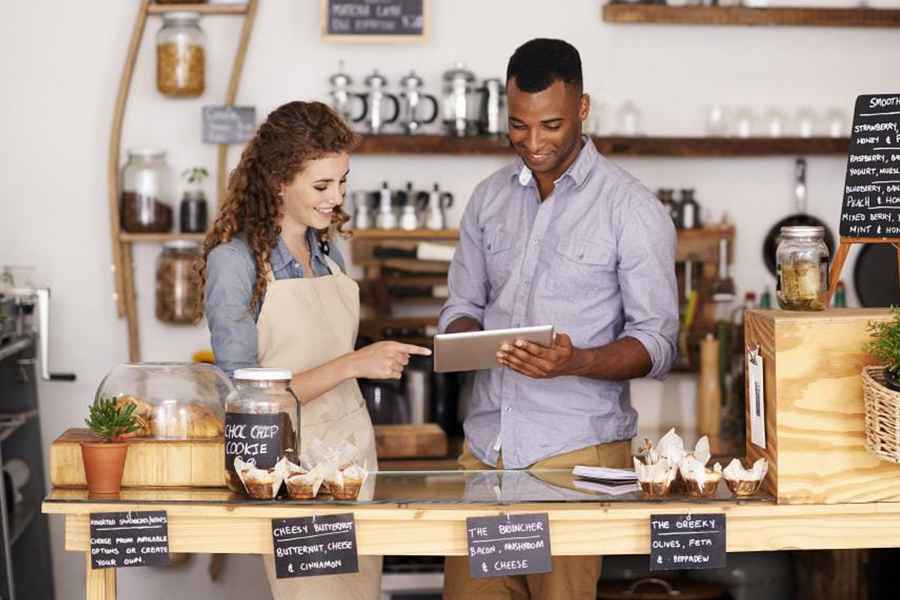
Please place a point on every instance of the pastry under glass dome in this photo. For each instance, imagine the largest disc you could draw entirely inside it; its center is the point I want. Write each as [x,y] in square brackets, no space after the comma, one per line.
[173,401]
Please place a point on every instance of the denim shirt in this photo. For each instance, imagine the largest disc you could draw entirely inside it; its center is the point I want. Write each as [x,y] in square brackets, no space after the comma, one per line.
[230,279]
[596,259]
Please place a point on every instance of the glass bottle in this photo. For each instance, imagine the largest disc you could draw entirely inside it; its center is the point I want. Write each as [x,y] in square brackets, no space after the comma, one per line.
[181,55]
[802,268]
[262,422]
[146,192]
[689,210]
[177,284]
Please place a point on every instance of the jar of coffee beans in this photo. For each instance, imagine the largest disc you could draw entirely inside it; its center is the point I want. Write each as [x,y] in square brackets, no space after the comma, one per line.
[146,205]
[178,283]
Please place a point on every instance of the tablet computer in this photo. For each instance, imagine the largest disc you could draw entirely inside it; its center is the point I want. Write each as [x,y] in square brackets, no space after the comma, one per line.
[476,350]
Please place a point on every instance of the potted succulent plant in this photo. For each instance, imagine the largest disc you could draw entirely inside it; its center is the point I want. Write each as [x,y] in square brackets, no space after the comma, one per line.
[104,459]
[885,348]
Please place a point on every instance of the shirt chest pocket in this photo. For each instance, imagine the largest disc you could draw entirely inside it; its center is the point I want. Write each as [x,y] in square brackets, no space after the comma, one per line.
[580,265]
[498,255]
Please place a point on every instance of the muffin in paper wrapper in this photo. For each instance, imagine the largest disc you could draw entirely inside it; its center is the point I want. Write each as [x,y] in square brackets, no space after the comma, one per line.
[262,484]
[348,483]
[701,481]
[304,485]
[745,482]
[655,479]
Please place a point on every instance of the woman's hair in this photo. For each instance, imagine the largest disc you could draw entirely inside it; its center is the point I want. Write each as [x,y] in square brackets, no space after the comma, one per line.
[292,135]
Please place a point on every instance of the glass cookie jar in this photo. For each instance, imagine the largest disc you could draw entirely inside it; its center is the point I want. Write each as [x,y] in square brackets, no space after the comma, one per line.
[802,266]
[173,401]
[262,422]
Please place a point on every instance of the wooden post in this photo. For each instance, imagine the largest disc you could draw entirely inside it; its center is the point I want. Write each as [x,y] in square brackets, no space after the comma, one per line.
[99,584]
[840,256]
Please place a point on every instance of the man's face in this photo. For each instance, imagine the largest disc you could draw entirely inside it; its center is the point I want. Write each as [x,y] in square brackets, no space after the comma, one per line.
[545,127]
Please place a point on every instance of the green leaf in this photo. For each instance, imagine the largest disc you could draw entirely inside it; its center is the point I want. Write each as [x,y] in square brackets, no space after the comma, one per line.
[109,421]
[885,343]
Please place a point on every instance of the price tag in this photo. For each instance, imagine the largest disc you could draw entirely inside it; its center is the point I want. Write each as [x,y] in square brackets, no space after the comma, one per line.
[756,387]
[309,546]
[228,124]
[508,545]
[129,539]
[687,542]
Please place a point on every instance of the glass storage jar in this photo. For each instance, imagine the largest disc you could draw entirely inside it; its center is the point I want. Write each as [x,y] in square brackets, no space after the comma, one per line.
[262,422]
[181,55]
[177,283]
[802,263]
[172,400]
[146,192]
[193,213]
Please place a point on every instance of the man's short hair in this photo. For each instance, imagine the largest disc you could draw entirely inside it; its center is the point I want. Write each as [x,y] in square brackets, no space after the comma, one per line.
[538,63]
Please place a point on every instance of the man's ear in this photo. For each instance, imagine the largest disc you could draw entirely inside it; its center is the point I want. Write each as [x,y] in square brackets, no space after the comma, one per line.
[584,107]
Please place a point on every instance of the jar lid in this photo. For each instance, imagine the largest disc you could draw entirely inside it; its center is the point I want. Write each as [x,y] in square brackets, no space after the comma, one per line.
[802,231]
[459,71]
[146,153]
[376,78]
[412,80]
[182,15]
[261,374]
[181,245]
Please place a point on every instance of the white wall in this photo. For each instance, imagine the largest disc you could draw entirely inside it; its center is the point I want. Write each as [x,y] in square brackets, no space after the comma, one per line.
[60,72]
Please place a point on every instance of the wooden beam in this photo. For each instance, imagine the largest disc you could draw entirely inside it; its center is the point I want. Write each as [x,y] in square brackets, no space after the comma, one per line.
[728,15]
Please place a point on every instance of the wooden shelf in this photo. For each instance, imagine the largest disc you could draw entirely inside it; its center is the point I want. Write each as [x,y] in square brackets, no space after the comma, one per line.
[687,147]
[203,9]
[158,238]
[737,15]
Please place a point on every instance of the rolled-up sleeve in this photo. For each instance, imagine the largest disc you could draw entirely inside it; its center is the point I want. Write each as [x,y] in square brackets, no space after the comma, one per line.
[467,279]
[230,277]
[646,272]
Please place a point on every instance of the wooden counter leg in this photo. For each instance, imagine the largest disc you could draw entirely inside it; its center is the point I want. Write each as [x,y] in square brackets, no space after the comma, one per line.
[99,584]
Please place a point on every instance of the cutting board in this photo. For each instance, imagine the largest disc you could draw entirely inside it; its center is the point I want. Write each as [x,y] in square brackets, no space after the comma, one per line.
[201,463]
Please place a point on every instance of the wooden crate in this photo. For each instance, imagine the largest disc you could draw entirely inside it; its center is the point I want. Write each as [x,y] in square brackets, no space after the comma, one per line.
[815,420]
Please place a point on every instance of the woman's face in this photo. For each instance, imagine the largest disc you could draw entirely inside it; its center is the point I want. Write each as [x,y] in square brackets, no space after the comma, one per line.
[309,199]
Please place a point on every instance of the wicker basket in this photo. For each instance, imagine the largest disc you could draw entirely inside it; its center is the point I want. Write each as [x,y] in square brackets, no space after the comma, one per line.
[882,416]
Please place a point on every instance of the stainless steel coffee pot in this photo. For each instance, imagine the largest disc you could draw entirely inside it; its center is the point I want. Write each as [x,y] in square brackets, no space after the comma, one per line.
[492,114]
[459,101]
[411,100]
[363,215]
[342,98]
[377,98]
[436,209]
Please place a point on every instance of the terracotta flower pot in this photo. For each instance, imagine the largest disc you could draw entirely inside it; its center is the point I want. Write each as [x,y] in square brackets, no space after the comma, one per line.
[104,463]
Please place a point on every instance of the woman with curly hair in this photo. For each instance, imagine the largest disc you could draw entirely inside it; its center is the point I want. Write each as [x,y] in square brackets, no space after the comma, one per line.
[276,296]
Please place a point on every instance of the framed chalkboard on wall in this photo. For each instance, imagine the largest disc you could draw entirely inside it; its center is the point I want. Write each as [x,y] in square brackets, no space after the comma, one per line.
[368,21]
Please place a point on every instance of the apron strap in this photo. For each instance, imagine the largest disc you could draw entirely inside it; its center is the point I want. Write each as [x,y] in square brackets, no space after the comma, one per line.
[332,266]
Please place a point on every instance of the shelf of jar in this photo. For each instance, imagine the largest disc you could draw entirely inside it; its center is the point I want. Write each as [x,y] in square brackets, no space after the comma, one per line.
[622,13]
[203,9]
[684,147]
[159,238]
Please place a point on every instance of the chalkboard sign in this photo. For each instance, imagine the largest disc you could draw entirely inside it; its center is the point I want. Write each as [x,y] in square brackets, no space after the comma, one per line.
[129,539]
[309,546]
[228,124]
[374,20]
[254,438]
[871,206]
[687,542]
[508,545]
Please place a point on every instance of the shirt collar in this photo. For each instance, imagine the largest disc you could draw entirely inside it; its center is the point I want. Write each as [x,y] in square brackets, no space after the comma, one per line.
[281,258]
[577,171]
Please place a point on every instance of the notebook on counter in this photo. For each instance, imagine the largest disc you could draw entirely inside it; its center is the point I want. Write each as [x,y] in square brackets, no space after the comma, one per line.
[605,475]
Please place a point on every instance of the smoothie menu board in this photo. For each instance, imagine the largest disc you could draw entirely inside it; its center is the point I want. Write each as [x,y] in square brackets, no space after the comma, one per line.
[871,206]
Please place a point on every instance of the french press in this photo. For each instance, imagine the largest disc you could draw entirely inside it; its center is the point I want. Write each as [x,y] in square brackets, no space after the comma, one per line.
[376,99]
[492,116]
[342,97]
[412,98]
[459,103]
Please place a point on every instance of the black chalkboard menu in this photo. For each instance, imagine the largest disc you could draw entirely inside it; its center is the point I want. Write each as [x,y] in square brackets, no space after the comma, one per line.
[508,545]
[687,542]
[871,207]
[129,539]
[370,18]
[308,546]
[228,124]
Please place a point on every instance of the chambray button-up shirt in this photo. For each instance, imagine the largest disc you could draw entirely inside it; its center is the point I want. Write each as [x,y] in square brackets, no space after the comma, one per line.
[596,259]
[230,279]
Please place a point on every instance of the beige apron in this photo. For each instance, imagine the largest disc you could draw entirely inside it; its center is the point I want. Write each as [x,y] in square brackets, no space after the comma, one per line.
[305,323]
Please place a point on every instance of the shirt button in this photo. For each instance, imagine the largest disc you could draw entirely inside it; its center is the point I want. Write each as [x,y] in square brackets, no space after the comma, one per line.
[507,409]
